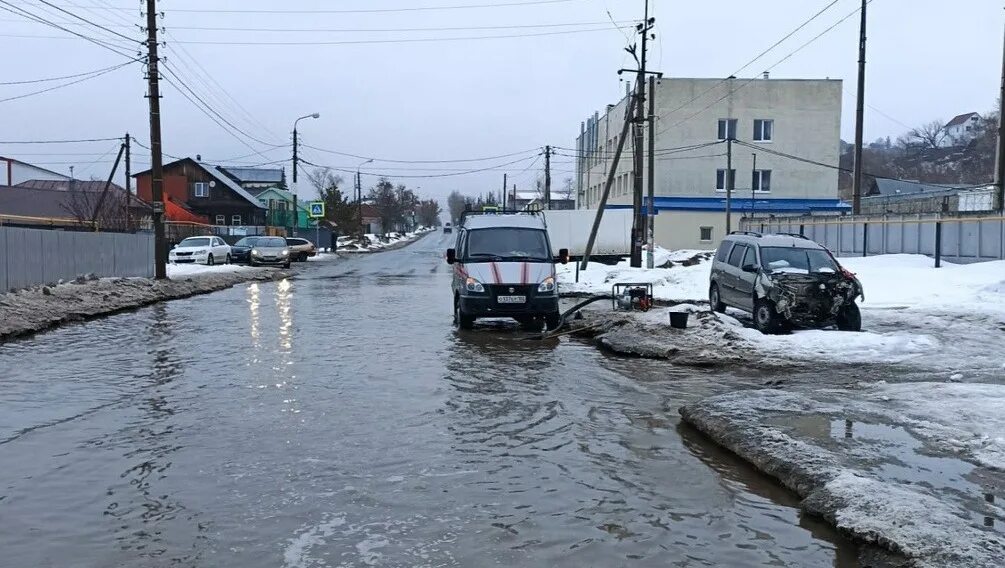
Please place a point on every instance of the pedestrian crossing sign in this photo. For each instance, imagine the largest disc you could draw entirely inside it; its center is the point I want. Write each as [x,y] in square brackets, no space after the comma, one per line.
[317,210]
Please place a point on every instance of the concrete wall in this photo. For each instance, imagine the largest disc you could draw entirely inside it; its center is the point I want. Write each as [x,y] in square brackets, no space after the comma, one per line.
[965,239]
[807,123]
[682,229]
[35,256]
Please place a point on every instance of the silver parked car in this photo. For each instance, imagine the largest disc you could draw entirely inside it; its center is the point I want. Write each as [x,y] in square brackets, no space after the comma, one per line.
[270,250]
[783,280]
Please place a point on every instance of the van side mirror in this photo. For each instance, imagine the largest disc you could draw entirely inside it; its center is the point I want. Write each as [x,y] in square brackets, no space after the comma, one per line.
[563,255]
[451,256]
[749,268]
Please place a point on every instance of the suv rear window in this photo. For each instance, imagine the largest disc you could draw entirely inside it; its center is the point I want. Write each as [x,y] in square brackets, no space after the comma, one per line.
[737,254]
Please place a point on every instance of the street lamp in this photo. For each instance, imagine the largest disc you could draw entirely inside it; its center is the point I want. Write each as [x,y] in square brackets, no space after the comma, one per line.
[359,195]
[296,204]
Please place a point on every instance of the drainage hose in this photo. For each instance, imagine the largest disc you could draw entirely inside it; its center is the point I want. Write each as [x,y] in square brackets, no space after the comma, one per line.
[561,323]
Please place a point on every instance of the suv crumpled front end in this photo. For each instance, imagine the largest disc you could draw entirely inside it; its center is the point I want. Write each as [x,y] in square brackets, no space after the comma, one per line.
[808,300]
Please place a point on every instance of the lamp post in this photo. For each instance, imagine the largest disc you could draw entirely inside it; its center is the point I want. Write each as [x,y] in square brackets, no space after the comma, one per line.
[296,204]
[359,195]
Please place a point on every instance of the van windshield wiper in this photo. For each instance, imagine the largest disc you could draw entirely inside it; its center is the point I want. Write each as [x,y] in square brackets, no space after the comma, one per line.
[486,255]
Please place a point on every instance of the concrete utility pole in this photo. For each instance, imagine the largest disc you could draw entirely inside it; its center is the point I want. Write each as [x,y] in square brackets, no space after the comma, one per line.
[547,177]
[156,157]
[729,180]
[504,193]
[296,204]
[1000,163]
[638,221]
[859,118]
[651,209]
[610,181]
[129,186]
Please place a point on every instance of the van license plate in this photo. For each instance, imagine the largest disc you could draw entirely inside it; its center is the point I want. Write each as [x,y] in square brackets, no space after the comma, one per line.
[512,299]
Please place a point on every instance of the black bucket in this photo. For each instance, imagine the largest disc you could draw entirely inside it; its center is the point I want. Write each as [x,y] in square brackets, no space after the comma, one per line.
[678,320]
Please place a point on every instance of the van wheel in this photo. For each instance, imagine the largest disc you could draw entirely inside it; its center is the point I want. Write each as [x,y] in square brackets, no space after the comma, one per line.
[463,321]
[715,299]
[529,323]
[553,321]
[850,318]
[766,319]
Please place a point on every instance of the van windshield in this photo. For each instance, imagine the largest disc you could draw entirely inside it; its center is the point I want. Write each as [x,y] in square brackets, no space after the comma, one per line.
[506,243]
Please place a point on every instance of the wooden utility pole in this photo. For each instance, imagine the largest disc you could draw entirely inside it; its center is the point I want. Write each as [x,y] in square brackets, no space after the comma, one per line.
[129,186]
[156,157]
[753,175]
[1000,163]
[729,180]
[504,193]
[610,181]
[651,208]
[547,177]
[859,118]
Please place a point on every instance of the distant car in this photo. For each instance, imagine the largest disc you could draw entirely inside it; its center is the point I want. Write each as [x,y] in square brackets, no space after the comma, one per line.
[301,249]
[201,250]
[784,280]
[270,251]
[447,229]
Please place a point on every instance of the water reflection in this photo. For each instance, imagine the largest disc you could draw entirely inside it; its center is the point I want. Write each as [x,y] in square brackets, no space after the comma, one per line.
[284,304]
[254,319]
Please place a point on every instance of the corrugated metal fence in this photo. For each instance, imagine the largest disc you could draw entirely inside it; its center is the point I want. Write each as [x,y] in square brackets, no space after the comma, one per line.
[36,256]
[960,239]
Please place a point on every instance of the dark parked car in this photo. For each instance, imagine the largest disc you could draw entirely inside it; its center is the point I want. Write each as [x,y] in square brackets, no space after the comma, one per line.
[784,280]
[447,229]
[241,250]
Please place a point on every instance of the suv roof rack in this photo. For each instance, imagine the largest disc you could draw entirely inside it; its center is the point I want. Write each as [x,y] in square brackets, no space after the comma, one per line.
[748,233]
[472,213]
[796,235]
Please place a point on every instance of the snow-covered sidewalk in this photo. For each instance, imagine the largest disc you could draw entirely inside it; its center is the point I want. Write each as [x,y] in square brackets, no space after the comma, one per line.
[913,314]
[918,468]
[375,243]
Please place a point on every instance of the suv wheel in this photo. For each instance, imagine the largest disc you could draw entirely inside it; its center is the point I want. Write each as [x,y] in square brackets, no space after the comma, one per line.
[766,319]
[850,318]
[715,299]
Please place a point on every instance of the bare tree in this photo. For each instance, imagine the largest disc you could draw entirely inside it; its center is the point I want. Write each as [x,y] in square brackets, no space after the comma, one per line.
[930,135]
[87,205]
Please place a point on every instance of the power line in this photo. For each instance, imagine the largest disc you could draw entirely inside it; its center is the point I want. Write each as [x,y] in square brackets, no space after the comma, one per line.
[59,141]
[8,7]
[74,82]
[354,11]
[389,41]
[776,64]
[389,160]
[454,174]
[48,79]
[755,59]
[391,30]
[85,20]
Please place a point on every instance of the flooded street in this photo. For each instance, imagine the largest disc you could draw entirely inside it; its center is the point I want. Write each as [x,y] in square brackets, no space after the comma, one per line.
[339,419]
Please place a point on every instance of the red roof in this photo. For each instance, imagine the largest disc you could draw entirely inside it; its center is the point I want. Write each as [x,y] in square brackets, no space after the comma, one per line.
[175,212]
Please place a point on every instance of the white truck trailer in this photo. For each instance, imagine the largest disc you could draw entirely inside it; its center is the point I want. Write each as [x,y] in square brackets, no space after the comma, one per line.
[571,229]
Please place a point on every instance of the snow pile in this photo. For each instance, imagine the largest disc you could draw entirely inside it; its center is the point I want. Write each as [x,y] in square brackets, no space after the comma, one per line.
[177,271]
[865,483]
[374,243]
[684,278]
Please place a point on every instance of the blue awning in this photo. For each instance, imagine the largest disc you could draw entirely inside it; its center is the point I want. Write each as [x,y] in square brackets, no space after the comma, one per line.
[740,205]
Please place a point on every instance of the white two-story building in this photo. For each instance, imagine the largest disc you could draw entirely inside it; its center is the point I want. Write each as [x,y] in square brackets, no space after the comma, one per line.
[789,127]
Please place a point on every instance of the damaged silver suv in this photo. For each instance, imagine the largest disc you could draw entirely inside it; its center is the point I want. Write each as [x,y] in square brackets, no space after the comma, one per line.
[784,281]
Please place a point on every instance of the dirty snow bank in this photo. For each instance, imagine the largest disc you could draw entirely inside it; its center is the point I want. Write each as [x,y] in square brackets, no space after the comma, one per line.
[684,276]
[374,243]
[892,472]
[36,309]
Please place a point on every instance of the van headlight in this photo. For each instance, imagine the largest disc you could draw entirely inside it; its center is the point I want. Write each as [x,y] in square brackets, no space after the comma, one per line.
[547,286]
[472,285]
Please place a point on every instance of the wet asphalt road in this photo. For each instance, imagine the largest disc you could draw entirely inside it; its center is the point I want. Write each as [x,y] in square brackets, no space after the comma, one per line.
[338,419]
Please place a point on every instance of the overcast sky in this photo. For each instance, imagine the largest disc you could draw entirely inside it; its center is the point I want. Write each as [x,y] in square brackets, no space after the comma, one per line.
[464,99]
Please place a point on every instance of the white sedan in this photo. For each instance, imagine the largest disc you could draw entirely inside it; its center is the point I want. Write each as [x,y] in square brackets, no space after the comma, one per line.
[201,250]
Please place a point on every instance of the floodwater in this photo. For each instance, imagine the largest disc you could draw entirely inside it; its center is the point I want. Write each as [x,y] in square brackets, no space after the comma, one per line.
[338,419]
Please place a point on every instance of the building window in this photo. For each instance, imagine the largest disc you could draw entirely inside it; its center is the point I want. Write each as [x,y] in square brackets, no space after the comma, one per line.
[727,128]
[764,130]
[705,234]
[221,219]
[235,220]
[720,179]
[201,189]
[761,181]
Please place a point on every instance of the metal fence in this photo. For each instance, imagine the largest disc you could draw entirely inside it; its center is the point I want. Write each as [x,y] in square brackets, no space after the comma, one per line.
[37,256]
[960,239]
